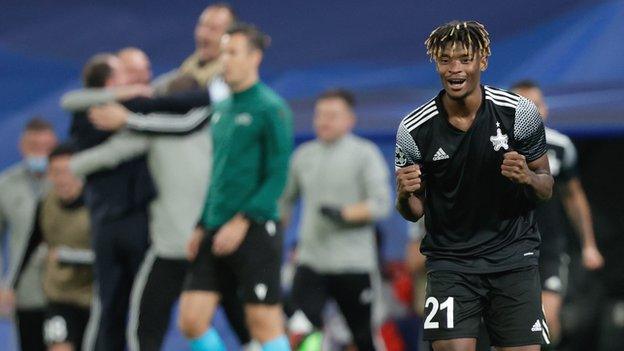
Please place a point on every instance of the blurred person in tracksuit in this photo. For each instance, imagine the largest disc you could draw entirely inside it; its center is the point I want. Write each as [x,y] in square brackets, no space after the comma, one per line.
[203,65]
[21,188]
[118,201]
[263,120]
[62,223]
[170,147]
[343,182]
[568,203]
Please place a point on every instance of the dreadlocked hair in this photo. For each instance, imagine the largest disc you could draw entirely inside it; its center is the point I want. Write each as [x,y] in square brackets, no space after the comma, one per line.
[471,35]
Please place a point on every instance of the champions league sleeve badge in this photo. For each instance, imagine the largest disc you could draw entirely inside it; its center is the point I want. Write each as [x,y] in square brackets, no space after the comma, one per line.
[399,157]
[499,140]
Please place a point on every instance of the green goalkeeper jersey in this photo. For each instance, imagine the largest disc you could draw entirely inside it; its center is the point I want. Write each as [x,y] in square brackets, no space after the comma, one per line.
[252,142]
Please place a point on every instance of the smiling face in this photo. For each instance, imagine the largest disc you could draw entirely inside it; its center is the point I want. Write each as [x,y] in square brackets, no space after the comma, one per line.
[212,24]
[460,70]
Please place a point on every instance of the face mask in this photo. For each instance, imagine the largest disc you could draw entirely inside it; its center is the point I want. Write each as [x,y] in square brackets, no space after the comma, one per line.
[36,164]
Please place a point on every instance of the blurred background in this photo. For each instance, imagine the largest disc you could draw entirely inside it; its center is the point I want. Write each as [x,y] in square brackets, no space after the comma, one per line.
[572,48]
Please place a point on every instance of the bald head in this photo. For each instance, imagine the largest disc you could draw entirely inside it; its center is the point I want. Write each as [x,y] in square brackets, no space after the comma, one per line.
[136,65]
[211,26]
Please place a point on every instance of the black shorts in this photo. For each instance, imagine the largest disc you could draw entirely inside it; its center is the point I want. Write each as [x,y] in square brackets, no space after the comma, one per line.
[551,267]
[353,293]
[65,323]
[509,302]
[252,271]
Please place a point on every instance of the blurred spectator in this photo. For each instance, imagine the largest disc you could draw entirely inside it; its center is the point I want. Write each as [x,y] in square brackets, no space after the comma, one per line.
[236,247]
[136,65]
[568,196]
[203,64]
[592,311]
[173,214]
[124,211]
[62,223]
[343,182]
[117,201]
[21,188]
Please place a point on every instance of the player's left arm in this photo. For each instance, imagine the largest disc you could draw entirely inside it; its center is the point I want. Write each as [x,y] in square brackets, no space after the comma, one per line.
[577,207]
[528,164]
[534,175]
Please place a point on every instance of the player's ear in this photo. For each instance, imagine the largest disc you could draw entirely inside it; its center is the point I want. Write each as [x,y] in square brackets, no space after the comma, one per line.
[483,63]
[257,56]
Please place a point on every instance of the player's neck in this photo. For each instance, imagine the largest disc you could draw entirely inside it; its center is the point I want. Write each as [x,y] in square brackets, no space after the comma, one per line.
[466,107]
[246,84]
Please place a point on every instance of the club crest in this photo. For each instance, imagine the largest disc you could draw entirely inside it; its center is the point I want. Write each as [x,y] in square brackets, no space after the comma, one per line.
[499,140]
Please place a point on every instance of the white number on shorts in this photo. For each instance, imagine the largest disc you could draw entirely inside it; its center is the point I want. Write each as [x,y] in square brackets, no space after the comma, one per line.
[447,305]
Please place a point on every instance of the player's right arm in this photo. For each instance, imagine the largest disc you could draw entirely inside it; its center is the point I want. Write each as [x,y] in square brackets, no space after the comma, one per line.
[410,195]
[410,189]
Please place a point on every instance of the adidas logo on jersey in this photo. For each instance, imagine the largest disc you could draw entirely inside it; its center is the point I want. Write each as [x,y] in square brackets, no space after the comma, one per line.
[440,155]
[537,327]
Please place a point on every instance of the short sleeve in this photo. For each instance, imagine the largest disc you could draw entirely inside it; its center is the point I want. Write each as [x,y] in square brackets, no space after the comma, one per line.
[529,131]
[569,167]
[406,152]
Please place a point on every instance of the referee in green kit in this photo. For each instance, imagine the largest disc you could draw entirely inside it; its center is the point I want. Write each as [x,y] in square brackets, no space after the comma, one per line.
[237,247]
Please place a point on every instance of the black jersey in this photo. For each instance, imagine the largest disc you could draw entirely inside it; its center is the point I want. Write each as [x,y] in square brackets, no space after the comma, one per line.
[551,217]
[477,220]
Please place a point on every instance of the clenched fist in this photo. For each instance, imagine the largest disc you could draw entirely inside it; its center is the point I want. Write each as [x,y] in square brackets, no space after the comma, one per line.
[515,168]
[409,181]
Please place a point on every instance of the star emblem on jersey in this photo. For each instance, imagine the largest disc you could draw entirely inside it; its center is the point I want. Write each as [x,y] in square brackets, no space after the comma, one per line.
[440,155]
[399,157]
[499,140]
[261,291]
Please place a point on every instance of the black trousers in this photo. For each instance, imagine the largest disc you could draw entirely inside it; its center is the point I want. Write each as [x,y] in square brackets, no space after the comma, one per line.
[30,329]
[157,287]
[352,292]
[119,246]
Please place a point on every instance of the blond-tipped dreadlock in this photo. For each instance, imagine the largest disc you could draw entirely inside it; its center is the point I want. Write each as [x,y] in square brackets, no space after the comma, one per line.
[470,34]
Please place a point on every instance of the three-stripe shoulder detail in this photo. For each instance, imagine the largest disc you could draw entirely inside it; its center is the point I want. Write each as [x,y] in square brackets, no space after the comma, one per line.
[420,115]
[501,97]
